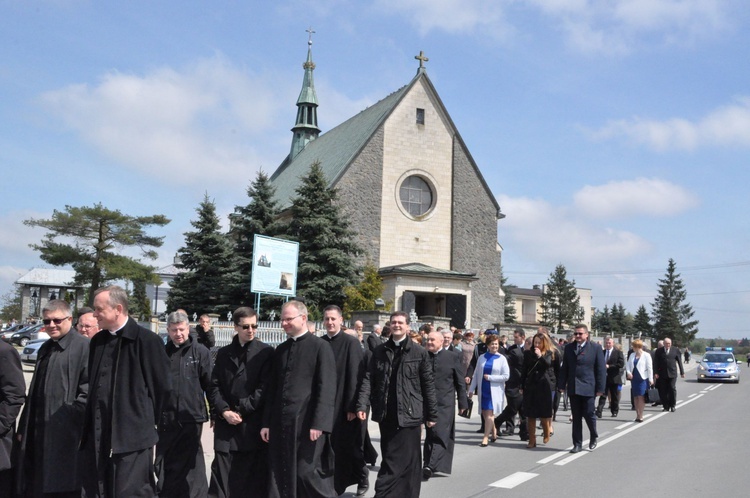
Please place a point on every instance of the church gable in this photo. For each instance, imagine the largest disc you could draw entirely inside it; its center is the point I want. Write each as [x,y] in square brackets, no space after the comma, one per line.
[417,181]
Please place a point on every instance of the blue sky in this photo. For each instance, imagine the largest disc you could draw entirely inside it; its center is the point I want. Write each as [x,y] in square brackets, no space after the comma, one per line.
[615,135]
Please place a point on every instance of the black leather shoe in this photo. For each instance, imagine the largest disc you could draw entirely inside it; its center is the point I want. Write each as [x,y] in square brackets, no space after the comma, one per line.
[672,409]
[598,414]
[506,433]
[576,448]
[479,431]
[614,414]
[665,409]
[592,444]
[426,473]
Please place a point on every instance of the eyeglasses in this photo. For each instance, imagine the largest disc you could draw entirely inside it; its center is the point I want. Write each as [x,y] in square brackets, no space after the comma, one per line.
[57,321]
[287,320]
[579,333]
[248,327]
[82,326]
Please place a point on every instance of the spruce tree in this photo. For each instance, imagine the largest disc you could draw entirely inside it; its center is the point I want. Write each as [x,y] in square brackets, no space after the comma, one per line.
[207,259]
[642,322]
[602,321]
[327,250]
[560,302]
[259,217]
[671,312]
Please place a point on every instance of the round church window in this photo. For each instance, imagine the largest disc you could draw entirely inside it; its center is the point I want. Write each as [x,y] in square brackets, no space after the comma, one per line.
[416,195]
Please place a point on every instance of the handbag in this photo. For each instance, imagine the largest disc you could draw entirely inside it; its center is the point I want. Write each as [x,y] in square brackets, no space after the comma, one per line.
[467,413]
[653,395]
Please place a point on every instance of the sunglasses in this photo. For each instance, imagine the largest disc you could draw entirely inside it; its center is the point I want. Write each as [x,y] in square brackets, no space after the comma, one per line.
[248,327]
[579,333]
[57,321]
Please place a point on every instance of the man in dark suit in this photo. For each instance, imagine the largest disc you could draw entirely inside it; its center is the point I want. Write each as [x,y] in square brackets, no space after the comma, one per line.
[513,394]
[666,361]
[614,361]
[583,375]
[375,338]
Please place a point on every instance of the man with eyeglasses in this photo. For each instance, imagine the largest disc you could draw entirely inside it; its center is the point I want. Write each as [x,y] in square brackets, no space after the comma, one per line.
[299,411]
[238,378]
[50,426]
[180,465]
[87,325]
[583,375]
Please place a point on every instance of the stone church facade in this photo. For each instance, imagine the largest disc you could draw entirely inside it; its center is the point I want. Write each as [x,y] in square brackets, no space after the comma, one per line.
[424,214]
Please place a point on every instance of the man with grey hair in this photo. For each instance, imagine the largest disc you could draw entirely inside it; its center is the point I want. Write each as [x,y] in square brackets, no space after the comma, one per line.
[87,325]
[180,465]
[50,426]
[129,373]
[375,338]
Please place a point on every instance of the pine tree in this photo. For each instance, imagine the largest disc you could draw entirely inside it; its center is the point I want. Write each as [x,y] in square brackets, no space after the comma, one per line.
[509,309]
[602,321]
[642,322]
[207,257]
[140,305]
[560,302]
[327,249]
[258,217]
[671,313]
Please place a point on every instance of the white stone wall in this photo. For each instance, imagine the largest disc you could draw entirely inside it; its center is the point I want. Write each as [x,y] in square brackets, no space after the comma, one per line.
[425,150]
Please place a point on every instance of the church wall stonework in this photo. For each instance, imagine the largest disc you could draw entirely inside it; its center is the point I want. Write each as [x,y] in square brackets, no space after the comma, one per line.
[475,240]
[360,197]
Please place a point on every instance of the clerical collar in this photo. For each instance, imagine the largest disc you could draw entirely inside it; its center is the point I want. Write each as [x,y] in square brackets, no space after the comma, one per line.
[398,343]
[114,332]
[295,337]
[334,335]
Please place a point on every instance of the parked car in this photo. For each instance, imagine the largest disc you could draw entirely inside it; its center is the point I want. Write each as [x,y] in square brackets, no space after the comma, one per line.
[30,351]
[8,333]
[28,334]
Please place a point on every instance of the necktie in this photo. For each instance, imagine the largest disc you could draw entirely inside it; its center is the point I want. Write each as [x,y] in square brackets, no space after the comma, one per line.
[606,357]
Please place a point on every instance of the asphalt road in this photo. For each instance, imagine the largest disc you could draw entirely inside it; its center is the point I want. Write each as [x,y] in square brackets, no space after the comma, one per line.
[700,450]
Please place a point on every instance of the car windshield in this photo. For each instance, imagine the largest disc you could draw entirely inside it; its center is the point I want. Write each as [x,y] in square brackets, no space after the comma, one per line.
[718,358]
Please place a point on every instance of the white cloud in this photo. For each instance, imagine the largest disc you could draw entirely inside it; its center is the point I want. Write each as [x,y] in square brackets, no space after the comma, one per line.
[14,243]
[643,196]
[194,124]
[589,26]
[726,126]
[549,235]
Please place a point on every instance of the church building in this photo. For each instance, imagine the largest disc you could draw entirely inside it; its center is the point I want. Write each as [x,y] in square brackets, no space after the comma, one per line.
[425,216]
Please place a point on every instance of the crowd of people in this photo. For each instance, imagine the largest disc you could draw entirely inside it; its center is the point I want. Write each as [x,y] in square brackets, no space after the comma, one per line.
[112,411]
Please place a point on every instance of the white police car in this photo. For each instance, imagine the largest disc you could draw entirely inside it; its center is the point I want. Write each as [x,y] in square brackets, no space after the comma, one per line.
[718,364]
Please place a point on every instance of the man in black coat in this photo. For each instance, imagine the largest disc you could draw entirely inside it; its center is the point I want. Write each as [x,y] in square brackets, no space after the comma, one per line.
[400,387]
[180,464]
[583,375]
[346,438]
[50,426]
[12,394]
[129,383]
[299,411]
[204,332]
[238,381]
[513,396]
[666,361]
[614,361]
[449,383]
[375,338]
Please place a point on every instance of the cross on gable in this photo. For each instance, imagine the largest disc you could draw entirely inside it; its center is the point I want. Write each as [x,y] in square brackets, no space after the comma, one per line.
[421,58]
[310,32]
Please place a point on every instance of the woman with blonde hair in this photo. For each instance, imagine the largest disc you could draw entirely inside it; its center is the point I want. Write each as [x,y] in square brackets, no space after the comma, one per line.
[489,379]
[640,373]
[538,386]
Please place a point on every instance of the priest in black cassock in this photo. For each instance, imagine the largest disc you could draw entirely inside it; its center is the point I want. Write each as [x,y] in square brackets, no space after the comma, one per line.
[449,382]
[299,411]
[347,437]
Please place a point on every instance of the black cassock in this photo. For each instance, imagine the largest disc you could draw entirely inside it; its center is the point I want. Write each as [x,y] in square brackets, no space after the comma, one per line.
[449,381]
[347,437]
[301,396]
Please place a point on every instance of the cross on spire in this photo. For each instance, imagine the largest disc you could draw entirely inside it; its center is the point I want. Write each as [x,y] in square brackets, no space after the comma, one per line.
[309,33]
[421,58]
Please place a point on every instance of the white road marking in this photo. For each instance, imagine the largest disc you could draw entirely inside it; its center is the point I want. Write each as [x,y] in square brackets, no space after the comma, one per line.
[513,480]
[554,456]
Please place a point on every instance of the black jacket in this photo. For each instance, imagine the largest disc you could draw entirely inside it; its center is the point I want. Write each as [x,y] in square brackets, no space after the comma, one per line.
[238,386]
[514,354]
[415,392]
[186,402]
[65,391]
[12,391]
[140,389]
[205,337]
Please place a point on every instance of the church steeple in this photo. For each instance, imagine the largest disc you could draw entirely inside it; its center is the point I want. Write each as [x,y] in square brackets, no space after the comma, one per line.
[306,127]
